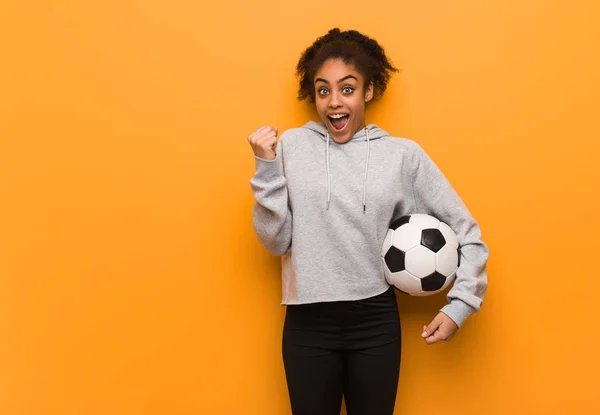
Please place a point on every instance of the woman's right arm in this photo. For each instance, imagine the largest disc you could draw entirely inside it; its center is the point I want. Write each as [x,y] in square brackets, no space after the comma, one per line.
[271,215]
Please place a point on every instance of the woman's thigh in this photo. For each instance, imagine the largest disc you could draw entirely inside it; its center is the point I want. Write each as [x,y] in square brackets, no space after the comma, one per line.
[372,356]
[371,379]
[312,360]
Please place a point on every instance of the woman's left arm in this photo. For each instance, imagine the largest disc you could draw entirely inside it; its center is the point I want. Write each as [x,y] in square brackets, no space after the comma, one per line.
[434,195]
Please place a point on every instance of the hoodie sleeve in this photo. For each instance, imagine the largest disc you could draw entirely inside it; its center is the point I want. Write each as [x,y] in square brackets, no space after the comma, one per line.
[271,215]
[435,196]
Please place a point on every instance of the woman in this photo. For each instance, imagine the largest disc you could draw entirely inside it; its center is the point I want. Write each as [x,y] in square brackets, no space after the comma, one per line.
[325,196]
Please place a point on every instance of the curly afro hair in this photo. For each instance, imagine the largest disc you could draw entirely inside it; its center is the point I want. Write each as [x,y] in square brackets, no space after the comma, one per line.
[354,48]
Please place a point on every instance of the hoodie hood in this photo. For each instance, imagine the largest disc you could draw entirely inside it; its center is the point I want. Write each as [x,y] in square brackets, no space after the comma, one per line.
[370,132]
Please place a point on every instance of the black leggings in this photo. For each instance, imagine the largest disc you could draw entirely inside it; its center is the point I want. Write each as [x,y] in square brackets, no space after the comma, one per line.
[343,348]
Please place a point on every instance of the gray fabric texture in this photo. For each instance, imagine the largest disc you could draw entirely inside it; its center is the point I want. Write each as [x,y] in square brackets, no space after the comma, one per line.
[330,251]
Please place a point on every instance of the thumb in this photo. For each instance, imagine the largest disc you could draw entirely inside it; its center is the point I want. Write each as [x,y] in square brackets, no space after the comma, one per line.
[425,332]
[431,328]
[274,145]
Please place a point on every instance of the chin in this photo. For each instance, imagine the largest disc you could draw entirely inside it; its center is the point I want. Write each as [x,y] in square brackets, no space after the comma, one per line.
[341,139]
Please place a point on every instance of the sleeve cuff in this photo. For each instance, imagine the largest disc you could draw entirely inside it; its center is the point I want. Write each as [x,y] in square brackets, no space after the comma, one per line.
[259,159]
[268,169]
[458,311]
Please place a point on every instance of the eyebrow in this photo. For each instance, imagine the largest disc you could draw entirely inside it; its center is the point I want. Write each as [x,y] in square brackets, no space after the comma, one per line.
[341,80]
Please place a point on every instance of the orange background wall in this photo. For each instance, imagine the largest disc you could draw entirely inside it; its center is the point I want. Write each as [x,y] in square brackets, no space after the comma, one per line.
[131,281]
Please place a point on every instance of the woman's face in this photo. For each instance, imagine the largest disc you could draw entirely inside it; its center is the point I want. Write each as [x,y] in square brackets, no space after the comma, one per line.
[340,98]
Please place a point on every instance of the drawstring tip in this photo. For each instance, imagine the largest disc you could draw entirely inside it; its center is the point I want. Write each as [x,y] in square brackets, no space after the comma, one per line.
[364,208]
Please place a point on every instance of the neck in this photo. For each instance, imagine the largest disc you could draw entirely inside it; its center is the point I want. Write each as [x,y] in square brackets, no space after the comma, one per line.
[363,125]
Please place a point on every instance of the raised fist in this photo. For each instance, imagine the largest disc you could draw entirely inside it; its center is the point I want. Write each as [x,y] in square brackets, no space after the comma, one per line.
[264,142]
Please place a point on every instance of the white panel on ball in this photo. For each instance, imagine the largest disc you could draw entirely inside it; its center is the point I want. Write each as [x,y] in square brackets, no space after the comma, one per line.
[406,237]
[423,221]
[449,234]
[420,261]
[447,260]
[387,242]
[406,282]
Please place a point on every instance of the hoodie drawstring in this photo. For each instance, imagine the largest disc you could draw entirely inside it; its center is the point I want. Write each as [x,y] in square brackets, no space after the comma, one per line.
[328,175]
[365,176]
[366,171]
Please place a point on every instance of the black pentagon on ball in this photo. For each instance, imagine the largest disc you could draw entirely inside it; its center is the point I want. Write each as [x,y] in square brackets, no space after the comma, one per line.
[399,222]
[394,258]
[433,282]
[433,239]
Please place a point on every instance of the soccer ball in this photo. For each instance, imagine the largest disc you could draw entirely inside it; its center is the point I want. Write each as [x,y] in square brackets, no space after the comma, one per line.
[420,255]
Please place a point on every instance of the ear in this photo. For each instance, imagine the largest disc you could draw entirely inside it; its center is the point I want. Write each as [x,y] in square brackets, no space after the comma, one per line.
[369,92]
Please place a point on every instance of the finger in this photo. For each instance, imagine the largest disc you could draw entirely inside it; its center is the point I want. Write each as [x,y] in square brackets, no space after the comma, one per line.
[432,327]
[266,141]
[258,139]
[435,337]
[265,131]
[263,128]
[255,132]
[258,131]
[270,133]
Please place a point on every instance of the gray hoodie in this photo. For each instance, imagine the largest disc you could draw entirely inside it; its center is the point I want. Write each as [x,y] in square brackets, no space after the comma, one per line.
[326,207]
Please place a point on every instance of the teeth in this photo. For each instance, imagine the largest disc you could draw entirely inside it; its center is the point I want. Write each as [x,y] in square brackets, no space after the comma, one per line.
[336,116]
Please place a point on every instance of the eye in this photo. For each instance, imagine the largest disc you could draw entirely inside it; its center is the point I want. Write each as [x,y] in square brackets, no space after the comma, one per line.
[348,90]
[323,91]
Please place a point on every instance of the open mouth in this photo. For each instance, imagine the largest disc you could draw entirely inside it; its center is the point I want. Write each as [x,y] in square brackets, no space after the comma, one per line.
[339,121]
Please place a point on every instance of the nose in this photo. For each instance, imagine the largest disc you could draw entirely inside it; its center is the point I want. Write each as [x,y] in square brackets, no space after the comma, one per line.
[334,101]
